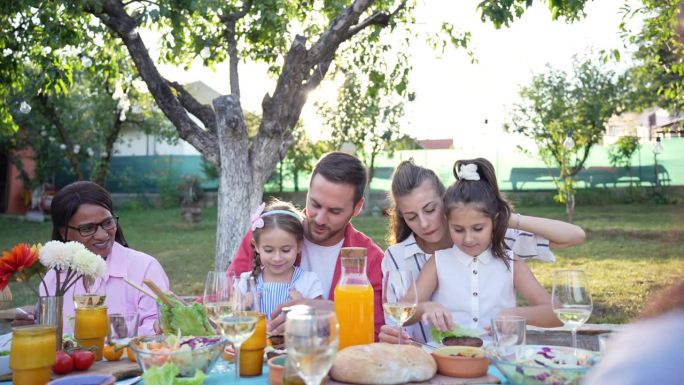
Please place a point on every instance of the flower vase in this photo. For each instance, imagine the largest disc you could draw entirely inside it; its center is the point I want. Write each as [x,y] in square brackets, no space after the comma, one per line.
[50,313]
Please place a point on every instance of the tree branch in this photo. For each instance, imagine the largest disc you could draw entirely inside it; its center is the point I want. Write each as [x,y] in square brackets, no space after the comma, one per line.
[113,15]
[203,112]
[229,34]
[380,18]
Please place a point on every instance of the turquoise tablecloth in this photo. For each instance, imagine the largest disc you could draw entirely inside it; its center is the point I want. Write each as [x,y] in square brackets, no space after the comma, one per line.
[229,378]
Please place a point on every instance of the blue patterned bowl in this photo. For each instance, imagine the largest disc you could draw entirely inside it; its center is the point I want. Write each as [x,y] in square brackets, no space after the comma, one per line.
[542,365]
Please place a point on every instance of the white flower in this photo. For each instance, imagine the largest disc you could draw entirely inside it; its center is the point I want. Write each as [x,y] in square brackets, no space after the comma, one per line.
[62,146]
[55,255]
[87,263]
[77,148]
[468,172]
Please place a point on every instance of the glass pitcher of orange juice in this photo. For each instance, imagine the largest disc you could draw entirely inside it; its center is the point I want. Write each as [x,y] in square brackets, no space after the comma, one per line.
[354,299]
[32,354]
[92,326]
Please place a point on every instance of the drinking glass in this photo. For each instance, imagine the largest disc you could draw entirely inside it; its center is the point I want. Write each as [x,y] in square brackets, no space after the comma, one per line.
[508,332]
[399,296]
[312,341]
[240,325]
[216,300]
[123,327]
[93,295]
[571,300]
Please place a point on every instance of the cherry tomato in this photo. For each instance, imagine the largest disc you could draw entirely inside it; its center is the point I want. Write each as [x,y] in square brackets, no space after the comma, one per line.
[112,352]
[83,359]
[63,364]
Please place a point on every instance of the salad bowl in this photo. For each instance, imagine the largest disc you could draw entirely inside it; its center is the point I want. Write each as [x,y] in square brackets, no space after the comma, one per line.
[542,365]
[188,354]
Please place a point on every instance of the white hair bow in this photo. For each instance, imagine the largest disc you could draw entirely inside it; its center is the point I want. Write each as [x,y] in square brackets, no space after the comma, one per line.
[468,172]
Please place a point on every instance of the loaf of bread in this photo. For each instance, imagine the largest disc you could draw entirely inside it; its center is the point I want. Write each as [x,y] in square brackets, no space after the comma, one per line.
[383,364]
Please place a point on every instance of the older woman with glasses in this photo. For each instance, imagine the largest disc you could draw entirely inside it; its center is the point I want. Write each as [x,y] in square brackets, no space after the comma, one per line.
[83,212]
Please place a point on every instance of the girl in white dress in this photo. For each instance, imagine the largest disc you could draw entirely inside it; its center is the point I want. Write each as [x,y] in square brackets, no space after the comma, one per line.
[418,227]
[477,278]
[278,235]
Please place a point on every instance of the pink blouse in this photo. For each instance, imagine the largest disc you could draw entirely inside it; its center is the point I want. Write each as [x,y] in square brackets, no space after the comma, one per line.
[121,298]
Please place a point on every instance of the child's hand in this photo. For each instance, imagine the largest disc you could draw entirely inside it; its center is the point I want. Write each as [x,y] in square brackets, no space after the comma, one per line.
[439,316]
[295,295]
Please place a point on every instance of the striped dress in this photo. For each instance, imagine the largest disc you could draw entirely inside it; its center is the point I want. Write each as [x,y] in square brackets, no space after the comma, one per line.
[272,294]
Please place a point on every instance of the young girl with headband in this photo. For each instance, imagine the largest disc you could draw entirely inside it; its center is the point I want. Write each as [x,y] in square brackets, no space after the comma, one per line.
[277,242]
[478,278]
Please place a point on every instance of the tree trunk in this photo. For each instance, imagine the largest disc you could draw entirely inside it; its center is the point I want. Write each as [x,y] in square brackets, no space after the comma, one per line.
[295,175]
[237,194]
[101,172]
[280,176]
[569,200]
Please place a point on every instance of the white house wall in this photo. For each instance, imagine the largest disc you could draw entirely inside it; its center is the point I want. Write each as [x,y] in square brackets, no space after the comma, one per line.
[137,143]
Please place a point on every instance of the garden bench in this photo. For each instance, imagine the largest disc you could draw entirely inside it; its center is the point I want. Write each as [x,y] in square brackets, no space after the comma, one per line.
[594,176]
[521,175]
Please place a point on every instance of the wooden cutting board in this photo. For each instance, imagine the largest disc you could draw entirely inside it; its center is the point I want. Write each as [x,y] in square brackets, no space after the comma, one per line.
[120,369]
[444,380]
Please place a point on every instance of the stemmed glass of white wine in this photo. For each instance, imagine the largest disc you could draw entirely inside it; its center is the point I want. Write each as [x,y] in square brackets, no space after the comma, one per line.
[312,341]
[216,300]
[399,296]
[571,300]
[239,326]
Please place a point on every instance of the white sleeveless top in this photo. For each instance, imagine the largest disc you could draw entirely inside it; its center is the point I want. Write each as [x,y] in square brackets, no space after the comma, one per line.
[474,289]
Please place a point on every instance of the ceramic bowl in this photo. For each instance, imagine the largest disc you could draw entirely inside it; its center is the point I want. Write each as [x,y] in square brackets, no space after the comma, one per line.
[85,379]
[543,365]
[461,361]
[275,370]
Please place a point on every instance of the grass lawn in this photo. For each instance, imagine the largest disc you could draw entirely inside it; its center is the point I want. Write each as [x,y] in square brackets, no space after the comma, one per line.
[630,251]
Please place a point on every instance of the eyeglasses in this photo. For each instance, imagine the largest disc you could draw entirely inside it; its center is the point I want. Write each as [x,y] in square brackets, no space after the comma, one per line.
[91,228]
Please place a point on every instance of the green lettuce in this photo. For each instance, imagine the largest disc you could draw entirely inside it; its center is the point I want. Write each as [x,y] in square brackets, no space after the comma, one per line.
[457,331]
[190,320]
[166,375]
[160,375]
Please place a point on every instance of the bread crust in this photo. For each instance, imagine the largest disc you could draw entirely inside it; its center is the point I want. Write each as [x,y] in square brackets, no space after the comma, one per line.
[383,364]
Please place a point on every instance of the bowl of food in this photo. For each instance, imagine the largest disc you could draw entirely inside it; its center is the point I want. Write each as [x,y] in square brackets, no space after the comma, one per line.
[542,365]
[461,361]
[188,354]
[275,370]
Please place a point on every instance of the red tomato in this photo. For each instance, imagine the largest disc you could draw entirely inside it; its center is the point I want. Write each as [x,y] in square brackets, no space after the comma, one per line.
[63,364]
[83,359]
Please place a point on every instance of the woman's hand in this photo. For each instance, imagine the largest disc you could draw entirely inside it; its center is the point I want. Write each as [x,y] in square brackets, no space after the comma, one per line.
[390,334]
[439,316]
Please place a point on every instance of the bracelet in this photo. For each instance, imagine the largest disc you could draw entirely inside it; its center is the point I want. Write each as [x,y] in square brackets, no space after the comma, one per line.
[517,222]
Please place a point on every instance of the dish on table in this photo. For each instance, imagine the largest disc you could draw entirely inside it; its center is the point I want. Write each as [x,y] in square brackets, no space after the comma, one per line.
[542,365]
[461,361]
[187,353]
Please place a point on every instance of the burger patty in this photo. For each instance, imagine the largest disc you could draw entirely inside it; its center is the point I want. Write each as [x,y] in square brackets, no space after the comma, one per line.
[462,341]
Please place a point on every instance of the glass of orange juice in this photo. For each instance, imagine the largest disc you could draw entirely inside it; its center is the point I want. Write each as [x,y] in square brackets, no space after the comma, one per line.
[32,354]
[92,326]
[252,350]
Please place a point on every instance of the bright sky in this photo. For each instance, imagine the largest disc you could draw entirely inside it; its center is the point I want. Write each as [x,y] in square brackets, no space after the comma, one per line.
[454,97]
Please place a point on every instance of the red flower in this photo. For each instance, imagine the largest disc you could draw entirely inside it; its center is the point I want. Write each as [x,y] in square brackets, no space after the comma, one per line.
[22,257]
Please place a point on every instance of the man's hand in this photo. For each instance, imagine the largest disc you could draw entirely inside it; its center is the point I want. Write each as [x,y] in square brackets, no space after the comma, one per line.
[439,316]
[276,326]
[390,334]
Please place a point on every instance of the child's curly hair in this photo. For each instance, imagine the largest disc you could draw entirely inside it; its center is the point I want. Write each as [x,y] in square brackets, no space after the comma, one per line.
[285,222]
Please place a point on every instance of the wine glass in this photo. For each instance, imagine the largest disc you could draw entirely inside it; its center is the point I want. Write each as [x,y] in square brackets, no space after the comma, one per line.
[216,300]
[399,296]
[239,326]
[312,341]
[571,300]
